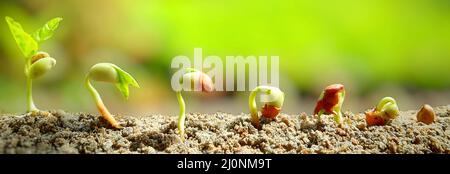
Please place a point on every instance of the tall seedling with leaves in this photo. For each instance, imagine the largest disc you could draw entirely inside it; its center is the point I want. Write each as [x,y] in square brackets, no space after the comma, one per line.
[36,63]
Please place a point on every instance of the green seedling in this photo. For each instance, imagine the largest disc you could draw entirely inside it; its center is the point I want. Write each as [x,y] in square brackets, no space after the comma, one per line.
[272,100]
[330,102]
[36,63]
[383,113]
[198,79]
[108,72]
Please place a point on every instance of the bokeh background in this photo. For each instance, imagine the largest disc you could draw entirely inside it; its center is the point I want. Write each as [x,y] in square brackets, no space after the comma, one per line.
[378,48]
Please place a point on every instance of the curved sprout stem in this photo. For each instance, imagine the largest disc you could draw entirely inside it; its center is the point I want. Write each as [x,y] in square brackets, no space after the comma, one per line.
[100,106]
[252,103]
[337,117]
[337,110]
[182,116]
[253,108]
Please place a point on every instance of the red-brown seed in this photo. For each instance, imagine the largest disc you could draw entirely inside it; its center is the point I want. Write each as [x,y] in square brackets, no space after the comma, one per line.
[374,118]
[426,114]
[330,99]
[269,111]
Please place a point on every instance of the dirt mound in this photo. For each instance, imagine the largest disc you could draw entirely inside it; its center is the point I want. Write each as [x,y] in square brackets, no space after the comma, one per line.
[60,132]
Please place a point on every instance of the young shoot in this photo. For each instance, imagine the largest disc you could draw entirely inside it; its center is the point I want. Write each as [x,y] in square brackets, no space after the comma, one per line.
[272,100]
[201,81]
[36,63]
[108,72]
[383,113]
[330,102]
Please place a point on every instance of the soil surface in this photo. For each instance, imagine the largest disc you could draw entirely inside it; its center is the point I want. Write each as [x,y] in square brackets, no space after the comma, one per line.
[61,132]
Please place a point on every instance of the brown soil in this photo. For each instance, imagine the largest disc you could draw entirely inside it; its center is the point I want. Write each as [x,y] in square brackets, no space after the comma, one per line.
[60,132]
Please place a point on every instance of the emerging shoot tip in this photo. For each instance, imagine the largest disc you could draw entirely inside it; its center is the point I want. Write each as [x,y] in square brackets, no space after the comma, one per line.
[272,99]
[383,113]
[330,102]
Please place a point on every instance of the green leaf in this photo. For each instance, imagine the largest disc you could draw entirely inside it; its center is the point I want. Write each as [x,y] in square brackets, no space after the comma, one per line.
[124,79]
[46,32]
[26,43]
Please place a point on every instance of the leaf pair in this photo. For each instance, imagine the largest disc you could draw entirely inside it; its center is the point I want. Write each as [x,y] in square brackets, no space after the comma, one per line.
[29,44]
[108,72]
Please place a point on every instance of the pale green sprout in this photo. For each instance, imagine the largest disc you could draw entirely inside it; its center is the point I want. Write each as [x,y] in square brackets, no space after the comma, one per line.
[383,113]
[108,72]
[194,77]
[388,108]
[273,102]
[36,63]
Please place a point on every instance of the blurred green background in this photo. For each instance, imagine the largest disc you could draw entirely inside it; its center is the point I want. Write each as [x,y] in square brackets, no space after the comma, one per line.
[397,48]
